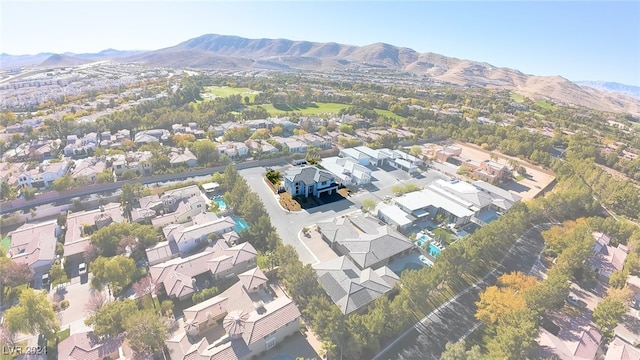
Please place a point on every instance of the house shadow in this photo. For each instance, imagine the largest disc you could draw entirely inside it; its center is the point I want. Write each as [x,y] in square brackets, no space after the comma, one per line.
[517,187]
[370,187]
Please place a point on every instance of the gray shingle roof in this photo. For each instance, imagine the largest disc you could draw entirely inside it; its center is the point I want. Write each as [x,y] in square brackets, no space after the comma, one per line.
[309,175]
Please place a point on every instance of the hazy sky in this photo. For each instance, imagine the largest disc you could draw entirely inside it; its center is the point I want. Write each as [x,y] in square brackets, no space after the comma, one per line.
[580,40]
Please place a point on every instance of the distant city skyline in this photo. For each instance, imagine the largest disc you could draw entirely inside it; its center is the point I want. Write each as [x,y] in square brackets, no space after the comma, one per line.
[586,40]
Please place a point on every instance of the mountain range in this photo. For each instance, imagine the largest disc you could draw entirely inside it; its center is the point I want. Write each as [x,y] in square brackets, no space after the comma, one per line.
[233,52]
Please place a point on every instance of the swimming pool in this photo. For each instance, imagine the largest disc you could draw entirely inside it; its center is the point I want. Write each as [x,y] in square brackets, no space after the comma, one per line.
[221,204]
[434,250]
[425,261]
[421,240]
[241,224]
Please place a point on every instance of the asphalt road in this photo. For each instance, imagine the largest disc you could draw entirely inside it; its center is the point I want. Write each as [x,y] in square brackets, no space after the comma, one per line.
[455,319]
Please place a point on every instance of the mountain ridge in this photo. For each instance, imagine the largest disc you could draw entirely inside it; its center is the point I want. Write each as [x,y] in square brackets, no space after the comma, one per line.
[228,52]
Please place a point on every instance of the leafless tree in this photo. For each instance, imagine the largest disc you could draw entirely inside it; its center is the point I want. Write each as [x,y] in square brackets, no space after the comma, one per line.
[96,300]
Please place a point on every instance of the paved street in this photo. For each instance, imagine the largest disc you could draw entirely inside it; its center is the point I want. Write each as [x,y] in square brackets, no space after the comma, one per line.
[289,224]
[455,319]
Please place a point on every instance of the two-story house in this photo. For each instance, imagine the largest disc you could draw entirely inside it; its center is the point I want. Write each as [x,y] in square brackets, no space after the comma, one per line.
[309,180]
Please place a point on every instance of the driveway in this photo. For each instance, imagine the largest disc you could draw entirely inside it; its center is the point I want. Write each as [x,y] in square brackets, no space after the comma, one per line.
[78,293]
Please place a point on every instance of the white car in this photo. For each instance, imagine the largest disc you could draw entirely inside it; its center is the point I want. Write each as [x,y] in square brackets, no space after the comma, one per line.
[573,300]
[82,269]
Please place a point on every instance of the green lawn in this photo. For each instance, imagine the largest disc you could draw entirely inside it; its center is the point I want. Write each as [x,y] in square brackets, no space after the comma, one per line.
[211,92]
[389,114]
[6,243]
[319,108]
[517,97]
[545,105]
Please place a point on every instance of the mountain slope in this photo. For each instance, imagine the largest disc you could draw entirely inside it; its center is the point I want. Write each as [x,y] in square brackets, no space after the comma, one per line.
[612,87]
[61,60]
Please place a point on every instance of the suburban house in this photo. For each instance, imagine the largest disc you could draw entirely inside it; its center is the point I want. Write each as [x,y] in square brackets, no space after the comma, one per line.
[606,258]
[619,349]
[89,168]
[503,199]
[322,142]
[191,128]
[294,146]
[569,339]
[107,140]
[81,147]
[364,241]
[138,162]
[80,225]
[309,180]
[187,237]
[151,136]
[360,157]
[447,152]
[347,171]
[238,324]
[182,157]
[258,124]
[176,206]
[87,346]
[35,245]
[233,149]
[403,161]
[219,261]
[42,176]
[488,170]
[260,146]
[351,288]
[377,158]
[430,203]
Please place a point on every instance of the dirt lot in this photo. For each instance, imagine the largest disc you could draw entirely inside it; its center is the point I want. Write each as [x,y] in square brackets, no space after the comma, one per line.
[527,188]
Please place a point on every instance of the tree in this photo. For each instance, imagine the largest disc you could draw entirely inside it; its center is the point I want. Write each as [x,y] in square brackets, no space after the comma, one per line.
[618,279]
[416,150]
[145,286]
[112,239]
[63,183]
[515,336]
[507,297]
[132,192]
[608,314]
[13,274]
[33,315]
[368,204]
[117,272]
[110,319]
[58,275]
[97,299]
[457,351]
[105,176]
[146,332]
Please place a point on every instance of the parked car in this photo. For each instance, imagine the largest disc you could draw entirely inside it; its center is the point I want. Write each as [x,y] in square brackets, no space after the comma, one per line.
[82,269]
[573,300]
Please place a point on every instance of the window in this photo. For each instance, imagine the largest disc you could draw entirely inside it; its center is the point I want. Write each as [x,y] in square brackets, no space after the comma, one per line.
[271,343]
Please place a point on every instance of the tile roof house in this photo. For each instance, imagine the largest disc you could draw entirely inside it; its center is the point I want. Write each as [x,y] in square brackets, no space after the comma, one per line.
[576,339]
[42,176]
[182,157]
[606,258]
[233,149]
[80,225]
[220,260]
[364,241]
[89,168]
[619,349]
[235,325]
[149,136]
[86,346]
[349,287]
[347,171]
[187,237]
[309,180]
[35,245]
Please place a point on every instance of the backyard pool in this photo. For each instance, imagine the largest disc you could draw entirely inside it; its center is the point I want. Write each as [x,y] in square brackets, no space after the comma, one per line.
[434,250]
[241,224]
[422,240]
[221,204]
